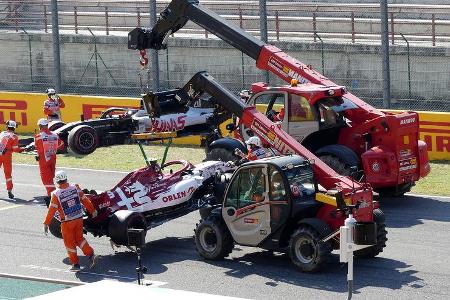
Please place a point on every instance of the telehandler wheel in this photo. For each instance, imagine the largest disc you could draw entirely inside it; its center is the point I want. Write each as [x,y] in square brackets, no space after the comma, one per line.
[221,154]
[395,191]
[306,250]
[212,239]
[336,164]
[378,217]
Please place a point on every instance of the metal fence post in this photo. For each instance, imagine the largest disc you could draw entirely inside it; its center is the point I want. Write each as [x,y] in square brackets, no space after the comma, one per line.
[75,19]
[56,50]
[353,27]
[392,29]
[409,65]
[263,27]
[322,52]
[154,59]
[385,54]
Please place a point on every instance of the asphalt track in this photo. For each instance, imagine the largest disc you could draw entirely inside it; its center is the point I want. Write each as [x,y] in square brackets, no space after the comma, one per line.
[415,265]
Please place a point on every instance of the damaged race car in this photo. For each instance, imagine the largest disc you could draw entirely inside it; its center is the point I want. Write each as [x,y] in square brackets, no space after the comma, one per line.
[148,197]
[116,124]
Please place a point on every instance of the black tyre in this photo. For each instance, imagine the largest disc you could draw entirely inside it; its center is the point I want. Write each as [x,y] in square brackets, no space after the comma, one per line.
[395,191]
[83,139]
[212,239]
[373,251]
[221,154]
[307,252]
[55,125]
[123,220]
[55,228]
[336,164]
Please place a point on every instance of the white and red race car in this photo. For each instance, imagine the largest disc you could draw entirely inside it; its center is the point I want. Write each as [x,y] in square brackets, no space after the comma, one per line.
[149,197]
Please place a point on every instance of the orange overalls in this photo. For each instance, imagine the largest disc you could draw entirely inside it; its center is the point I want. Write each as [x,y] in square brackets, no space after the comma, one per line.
[52,108]
[69,200]
[9,143]
[46,144]
[256,153]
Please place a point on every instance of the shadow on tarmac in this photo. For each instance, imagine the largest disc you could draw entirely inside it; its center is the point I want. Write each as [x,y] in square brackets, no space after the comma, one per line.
[37,200]
[275,268]
[411,210]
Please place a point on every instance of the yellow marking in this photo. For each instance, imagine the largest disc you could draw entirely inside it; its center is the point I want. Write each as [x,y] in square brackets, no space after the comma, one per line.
[406,139]
[330,200]
[8,207]
[154,135]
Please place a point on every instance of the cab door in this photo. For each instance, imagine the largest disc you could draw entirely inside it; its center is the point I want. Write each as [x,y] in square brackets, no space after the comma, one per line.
[246,208]
[301,118]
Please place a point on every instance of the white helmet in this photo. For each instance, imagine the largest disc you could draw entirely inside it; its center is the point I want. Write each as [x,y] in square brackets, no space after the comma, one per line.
[60,176]
[50,91]
[11,124]
[254,140]
[42,122]
[246,94]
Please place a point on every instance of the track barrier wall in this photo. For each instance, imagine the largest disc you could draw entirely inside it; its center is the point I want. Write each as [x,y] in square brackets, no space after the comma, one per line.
[27,108]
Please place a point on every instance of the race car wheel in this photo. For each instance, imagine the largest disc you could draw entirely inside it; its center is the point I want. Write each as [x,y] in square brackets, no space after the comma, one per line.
[123,220]
[212,238]
[306,251]
[378,217]
[221,154]
[55,228]
[55,125]
[83,139]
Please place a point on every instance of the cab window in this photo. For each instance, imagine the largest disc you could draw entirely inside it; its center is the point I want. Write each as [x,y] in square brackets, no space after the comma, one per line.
[272,104]
[247,188]
[300,110]
[277,190]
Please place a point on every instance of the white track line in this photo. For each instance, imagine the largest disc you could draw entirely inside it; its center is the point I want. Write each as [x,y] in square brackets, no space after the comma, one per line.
[148,282]
[9,207]
[40,279]
[428,196]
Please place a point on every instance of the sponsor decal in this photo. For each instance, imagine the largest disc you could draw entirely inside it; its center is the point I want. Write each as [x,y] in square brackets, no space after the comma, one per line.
[178,195]
[407,121]
[437,143]
[172,124]
[251,221]
[408,164]
[13,110]
[295,190]
[270,137]
[376,166]
[405,152]
[285,71]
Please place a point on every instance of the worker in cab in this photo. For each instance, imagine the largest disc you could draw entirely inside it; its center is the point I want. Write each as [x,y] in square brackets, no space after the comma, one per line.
[47,144]
[68,200]
[254,148]
[53,105]
[9,143]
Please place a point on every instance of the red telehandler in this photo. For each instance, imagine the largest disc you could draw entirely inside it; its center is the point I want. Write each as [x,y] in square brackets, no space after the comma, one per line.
[276,203]
[325,118]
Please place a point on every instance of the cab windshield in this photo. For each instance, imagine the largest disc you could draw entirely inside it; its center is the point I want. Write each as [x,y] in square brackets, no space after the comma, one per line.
[301,181]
